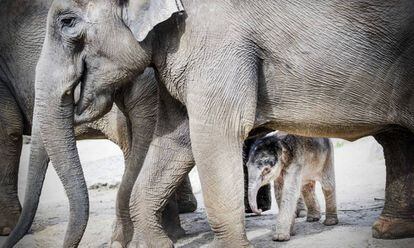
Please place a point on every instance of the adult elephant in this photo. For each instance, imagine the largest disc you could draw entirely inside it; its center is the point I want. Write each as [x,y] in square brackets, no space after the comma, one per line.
[130,126]
[328,68]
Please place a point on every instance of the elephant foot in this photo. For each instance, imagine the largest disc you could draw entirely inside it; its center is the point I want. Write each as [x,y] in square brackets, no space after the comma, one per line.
[217,243]
[134,244]
[175,232]
[154,241]
[283,233]
[313,217]
[116,244]
[280,237]
[330,220]
[393,228]
[122,234]
[171,221]
[397,218]
[300,213]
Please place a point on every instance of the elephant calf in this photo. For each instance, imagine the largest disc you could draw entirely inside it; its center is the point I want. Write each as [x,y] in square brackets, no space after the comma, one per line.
[292,161]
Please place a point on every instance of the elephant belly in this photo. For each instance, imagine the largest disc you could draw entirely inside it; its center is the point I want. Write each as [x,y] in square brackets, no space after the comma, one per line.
[338,102]
[348,78]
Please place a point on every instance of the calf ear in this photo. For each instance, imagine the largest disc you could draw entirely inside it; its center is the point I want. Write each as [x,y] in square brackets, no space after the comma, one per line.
[141,16]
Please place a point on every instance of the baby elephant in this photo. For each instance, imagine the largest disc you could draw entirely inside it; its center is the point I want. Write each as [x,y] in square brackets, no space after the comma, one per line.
[294,163]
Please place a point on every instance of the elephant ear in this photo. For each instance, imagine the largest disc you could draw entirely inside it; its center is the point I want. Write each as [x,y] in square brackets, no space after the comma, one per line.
[141,16]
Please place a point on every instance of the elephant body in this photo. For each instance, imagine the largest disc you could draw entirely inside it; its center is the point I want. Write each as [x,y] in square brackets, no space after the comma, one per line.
[294,164]
[129,126]
[328,68]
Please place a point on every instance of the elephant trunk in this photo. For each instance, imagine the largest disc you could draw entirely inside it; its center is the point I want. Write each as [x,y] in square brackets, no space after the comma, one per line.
[57,131]
[254,186]
[54,115]
[37,170]
[253,189]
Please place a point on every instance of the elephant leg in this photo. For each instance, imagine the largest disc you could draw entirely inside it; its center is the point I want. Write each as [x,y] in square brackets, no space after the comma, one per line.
[171,220]
[123,229]
[162,173]
[301,210]
[11,131]
[288,202]
[219,124]
[278,187]
[169,160]
[135,129]
[397,218]
[329,192]
[314,210]
[186,200]
[219,164]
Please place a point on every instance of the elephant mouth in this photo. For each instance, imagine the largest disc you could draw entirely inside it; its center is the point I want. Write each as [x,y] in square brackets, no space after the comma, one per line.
[80,104]
[92,103]
[91,110]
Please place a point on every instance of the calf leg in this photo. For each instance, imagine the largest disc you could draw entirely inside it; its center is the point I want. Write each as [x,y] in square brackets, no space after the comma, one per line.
[397,217]
[328,188]
[288,202]
[308,192]
[278,185]
[301,210]
[11,130]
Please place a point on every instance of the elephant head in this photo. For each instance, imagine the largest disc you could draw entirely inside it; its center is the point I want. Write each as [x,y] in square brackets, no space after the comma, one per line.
[101,45]
[267,157]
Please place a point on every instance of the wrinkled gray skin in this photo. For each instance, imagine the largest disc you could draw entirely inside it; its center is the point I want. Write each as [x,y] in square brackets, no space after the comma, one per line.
[20,47]
[294,163]
[312,68]
[130,126]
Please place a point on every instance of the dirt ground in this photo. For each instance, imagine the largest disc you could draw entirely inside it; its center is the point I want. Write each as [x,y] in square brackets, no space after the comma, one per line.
[360,178]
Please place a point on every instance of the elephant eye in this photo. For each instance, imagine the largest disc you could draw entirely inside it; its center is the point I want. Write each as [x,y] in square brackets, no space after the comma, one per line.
[69,26]
[266,170]
[68,22]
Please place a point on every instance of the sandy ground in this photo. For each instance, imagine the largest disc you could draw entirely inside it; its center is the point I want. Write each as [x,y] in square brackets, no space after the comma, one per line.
[360,176]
